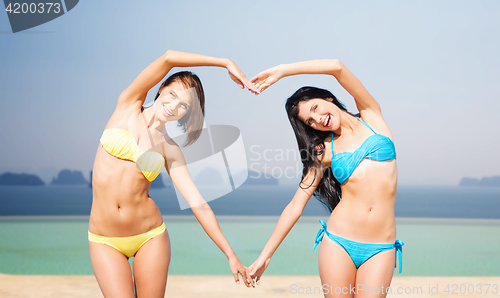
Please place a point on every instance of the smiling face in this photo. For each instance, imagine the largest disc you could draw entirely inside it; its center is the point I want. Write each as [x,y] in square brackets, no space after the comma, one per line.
[319,114]
[174,102]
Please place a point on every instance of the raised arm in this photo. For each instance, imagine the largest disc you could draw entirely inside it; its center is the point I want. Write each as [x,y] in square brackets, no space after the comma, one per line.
[287,220]
[177,169]
[364,100]
[135,94]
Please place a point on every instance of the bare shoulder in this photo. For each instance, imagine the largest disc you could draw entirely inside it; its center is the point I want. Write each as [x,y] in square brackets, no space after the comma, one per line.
[123,116]
[376,121]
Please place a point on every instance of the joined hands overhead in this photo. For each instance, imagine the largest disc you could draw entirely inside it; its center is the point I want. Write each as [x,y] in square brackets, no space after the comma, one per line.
[258,83]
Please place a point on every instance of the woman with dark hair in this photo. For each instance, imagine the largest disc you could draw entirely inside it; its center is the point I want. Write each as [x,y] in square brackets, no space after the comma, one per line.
[134,147]
[349,164]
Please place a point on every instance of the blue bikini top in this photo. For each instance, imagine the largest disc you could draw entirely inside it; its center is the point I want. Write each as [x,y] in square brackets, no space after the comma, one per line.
[375,147]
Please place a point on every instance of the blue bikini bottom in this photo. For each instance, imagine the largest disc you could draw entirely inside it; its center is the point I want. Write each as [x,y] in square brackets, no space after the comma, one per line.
[361,252]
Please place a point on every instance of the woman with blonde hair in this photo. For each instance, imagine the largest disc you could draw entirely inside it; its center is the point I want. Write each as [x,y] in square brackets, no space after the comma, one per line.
[134,147]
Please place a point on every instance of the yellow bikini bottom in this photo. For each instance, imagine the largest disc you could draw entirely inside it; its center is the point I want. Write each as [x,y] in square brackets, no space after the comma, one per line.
[128,245]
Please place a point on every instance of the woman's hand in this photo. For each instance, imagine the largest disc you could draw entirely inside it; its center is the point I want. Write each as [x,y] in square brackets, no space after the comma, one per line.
[267,78]
[258,267]
[238,268]
[238,77]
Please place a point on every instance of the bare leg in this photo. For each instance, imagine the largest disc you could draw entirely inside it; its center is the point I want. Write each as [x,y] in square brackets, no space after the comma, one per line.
[151,267]
[375,275]
[112,271]
[336,269]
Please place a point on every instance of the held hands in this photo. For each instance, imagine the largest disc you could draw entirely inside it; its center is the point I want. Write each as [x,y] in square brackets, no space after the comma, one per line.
[250,275]
[266,78]
[257,268]
[238,268]
[258,83]
[238,77]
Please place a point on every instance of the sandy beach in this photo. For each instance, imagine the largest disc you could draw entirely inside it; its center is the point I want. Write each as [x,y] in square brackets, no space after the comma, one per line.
[185,286]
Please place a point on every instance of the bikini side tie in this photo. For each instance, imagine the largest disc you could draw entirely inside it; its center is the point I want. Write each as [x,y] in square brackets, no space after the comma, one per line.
[399,247]
[321,233]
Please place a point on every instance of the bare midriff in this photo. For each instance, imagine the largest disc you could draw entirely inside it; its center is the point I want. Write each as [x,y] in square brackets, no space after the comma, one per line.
[121,205]
[366,211]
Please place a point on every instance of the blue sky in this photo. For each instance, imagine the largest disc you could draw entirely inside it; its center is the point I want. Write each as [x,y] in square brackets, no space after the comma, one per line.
[432,65]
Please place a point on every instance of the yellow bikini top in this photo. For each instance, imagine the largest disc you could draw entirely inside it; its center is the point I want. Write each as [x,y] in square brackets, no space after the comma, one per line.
[120,143]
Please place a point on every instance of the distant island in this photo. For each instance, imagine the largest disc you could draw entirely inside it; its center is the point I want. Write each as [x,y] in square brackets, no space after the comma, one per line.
[20,179]
[68,177]
[485,181]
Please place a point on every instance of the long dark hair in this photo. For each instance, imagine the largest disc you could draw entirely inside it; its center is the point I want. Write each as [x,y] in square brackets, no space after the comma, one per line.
[193,120]
[311,144]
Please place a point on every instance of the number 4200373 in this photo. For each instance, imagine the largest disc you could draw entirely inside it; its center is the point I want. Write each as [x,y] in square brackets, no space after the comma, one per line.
[33,8]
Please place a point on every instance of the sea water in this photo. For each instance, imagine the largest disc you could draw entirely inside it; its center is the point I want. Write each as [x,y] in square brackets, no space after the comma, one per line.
[433,247]
[447,230]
